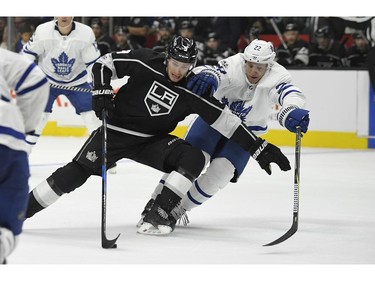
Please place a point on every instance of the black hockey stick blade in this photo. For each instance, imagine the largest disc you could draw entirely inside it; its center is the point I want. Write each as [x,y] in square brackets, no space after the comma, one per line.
[109,244]
[288,234]
[296,186]
[106,243]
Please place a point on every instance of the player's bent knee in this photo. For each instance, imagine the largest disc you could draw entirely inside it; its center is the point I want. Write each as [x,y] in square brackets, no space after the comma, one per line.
[192,162]
[221,171]
[187,159]
[68,178]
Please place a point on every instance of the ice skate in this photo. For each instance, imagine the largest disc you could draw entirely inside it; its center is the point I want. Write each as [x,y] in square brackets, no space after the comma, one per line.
[157,222]
[180,215]
[146,210]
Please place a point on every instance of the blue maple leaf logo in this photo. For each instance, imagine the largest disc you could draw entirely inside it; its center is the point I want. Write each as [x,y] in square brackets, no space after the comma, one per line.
[238,108]
[63,66]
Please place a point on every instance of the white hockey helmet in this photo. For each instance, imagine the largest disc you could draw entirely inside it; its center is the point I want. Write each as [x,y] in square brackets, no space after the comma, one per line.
[260,51]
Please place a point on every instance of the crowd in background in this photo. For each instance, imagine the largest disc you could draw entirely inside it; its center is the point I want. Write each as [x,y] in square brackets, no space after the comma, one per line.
[322,42]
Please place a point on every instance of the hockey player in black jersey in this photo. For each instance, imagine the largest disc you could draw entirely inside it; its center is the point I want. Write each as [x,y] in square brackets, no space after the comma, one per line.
[140,118]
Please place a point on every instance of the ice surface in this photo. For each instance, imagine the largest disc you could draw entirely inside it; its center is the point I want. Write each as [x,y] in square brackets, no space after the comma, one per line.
[336,226]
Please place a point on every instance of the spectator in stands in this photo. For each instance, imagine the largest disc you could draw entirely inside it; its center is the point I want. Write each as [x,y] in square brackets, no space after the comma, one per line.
[3,24]
[26,31]
[249,35]
[214,51]
[229,30]
[371,53]
[14,33]
[105,43]
[327,52]
[254,33]
[165,32]
[368,25]
[297,50]
[4,42]
[202,25]
[138,28]
[123,42]
[336,25]
[357,54]
[105,25]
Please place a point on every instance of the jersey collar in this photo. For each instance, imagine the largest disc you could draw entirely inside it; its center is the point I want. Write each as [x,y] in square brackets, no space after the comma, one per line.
[73,28]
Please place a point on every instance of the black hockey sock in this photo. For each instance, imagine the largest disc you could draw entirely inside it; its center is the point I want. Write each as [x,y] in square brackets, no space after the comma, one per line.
[167,199]
[33,206]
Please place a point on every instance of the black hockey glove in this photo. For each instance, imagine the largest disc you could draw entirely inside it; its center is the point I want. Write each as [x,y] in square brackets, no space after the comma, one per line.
[103,99]
[266,153]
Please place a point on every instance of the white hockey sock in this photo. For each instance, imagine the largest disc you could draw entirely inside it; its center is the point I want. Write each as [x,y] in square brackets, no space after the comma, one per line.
[44,194]
[217,176]
[178,183]
[159,187]
[90,120]
[8,243]
[33,139]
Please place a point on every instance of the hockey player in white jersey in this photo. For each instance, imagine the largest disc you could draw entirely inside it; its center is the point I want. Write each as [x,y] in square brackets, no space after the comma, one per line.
[249,84]
[24,93]
[65,50]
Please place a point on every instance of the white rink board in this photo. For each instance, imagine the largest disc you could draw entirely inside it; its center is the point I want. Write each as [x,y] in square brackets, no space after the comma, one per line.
[338,101]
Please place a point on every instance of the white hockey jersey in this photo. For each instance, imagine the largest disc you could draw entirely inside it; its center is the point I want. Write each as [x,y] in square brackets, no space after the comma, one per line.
[253,103]
[24,93]
[63,58]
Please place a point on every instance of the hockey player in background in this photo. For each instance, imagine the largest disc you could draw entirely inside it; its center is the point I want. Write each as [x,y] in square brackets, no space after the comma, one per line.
[65,50]
[249,84]
[140,118]
[24,93]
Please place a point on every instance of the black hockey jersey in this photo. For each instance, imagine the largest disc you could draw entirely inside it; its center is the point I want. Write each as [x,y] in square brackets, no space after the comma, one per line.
[149,103]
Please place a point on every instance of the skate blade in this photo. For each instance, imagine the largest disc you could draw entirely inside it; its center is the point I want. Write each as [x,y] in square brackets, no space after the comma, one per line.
[148,229]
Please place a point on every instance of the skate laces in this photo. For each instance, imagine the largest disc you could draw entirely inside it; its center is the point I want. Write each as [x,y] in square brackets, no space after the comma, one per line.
[162,213]
[184,219]
[180,215]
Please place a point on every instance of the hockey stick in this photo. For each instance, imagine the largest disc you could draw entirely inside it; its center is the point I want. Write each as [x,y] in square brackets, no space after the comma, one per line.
[71,88]
[106,244]
[294,226]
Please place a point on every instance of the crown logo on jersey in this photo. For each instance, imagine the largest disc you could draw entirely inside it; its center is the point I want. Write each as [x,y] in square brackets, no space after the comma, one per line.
[63,66]
[91,156]
[155,108]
